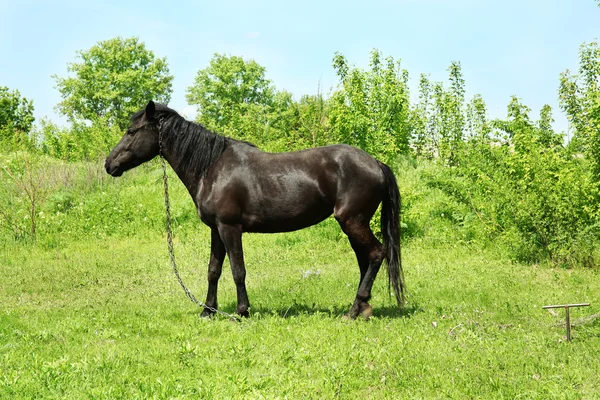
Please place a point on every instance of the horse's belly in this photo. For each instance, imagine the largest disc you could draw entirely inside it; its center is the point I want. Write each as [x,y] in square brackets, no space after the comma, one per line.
[285,219]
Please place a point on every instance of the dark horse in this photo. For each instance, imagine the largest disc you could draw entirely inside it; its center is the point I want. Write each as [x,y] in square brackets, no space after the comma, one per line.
[238,188]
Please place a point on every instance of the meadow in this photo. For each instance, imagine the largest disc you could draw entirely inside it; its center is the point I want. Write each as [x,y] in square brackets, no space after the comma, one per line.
[91,308]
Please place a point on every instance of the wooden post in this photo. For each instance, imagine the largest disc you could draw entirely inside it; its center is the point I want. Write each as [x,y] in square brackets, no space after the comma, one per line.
[567,316]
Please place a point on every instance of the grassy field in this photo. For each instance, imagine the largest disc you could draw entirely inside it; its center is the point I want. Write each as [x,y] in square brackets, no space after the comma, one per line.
[92,310]
[106,319]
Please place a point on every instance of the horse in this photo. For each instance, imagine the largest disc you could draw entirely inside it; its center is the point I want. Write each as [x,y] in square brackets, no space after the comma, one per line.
[238,188]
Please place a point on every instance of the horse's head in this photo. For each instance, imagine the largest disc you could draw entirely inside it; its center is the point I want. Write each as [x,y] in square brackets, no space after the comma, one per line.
[138,145]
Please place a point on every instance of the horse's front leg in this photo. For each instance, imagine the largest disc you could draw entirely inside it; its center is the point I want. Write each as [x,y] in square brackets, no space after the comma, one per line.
[217,256]
[232,238]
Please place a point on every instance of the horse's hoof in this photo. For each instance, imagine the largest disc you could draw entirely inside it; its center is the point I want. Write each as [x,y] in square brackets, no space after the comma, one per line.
[352,314]
[367,312]
[206,314]
[244,313]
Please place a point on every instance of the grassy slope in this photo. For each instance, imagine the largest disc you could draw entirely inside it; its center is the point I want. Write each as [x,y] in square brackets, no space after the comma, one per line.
[102,317]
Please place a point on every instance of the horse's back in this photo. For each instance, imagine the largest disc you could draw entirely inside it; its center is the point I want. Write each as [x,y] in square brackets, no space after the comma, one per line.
[336,168]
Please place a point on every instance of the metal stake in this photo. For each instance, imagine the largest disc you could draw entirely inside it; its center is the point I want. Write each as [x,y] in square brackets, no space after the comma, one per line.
[567,316]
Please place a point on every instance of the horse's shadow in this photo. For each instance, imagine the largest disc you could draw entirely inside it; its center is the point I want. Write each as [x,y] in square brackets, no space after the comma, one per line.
[336,311]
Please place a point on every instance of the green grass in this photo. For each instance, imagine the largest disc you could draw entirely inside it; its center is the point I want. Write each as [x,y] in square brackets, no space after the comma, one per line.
[105,318]
[91,309]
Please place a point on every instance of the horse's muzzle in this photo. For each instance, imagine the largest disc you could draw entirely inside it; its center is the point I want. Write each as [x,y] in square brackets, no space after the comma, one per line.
[112,168]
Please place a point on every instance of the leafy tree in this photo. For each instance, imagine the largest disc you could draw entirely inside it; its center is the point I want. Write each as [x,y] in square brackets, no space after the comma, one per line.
[456,98]
[229,89]
[371,109]
[518,122]
[422,134]
[281,131]
[234,97]
[313,120]
[16,118]
[580,99]
[111,81]
[447,118]
[478,127]
[440,121]
[546,134]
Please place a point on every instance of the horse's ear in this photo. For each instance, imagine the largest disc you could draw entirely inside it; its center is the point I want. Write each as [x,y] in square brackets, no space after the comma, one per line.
[150,108]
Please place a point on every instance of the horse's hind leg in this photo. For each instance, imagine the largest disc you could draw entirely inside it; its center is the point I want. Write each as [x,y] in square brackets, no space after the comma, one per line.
[217,256]
[369,254]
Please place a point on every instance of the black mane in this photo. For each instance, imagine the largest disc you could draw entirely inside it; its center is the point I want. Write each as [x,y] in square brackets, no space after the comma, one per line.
[193,147]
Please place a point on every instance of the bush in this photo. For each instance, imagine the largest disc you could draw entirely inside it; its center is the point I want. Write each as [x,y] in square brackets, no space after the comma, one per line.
[536,200]
[79,142]
[48,201]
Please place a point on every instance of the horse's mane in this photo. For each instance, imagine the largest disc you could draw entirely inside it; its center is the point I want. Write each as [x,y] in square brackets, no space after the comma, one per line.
[193,147]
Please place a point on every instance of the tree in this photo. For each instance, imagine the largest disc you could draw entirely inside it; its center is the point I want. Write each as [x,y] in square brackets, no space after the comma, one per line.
[371,109]
[456,98]
[478,127]
[440,121]
[546,134]
[448,115]
[313,120]
[422,134]
[16,118]
[229,89]
[580,98]
[112,80]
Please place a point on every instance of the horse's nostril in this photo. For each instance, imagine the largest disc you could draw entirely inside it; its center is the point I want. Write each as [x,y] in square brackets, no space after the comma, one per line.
[112,167]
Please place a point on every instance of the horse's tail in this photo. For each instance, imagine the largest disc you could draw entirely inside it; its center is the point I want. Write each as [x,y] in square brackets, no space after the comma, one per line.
[390,229]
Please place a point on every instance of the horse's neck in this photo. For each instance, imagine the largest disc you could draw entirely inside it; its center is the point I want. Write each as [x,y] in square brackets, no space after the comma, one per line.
[189,177]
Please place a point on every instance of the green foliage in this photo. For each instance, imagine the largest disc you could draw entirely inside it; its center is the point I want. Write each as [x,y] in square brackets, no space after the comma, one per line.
[78,142]
[528,191]
[16,120]
[423,138]
[23,189]
[478,128]
[229,89]
[50,201]
[234,98]
[441,120]
[510,182]
[580,99]
[313,120]
[112,80]
[371,109]
[455,98]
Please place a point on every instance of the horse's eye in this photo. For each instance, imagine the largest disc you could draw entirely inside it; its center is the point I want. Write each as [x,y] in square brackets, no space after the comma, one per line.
[130,131]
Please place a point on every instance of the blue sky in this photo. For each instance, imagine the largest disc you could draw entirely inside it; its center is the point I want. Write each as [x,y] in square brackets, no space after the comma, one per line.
[506,47]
